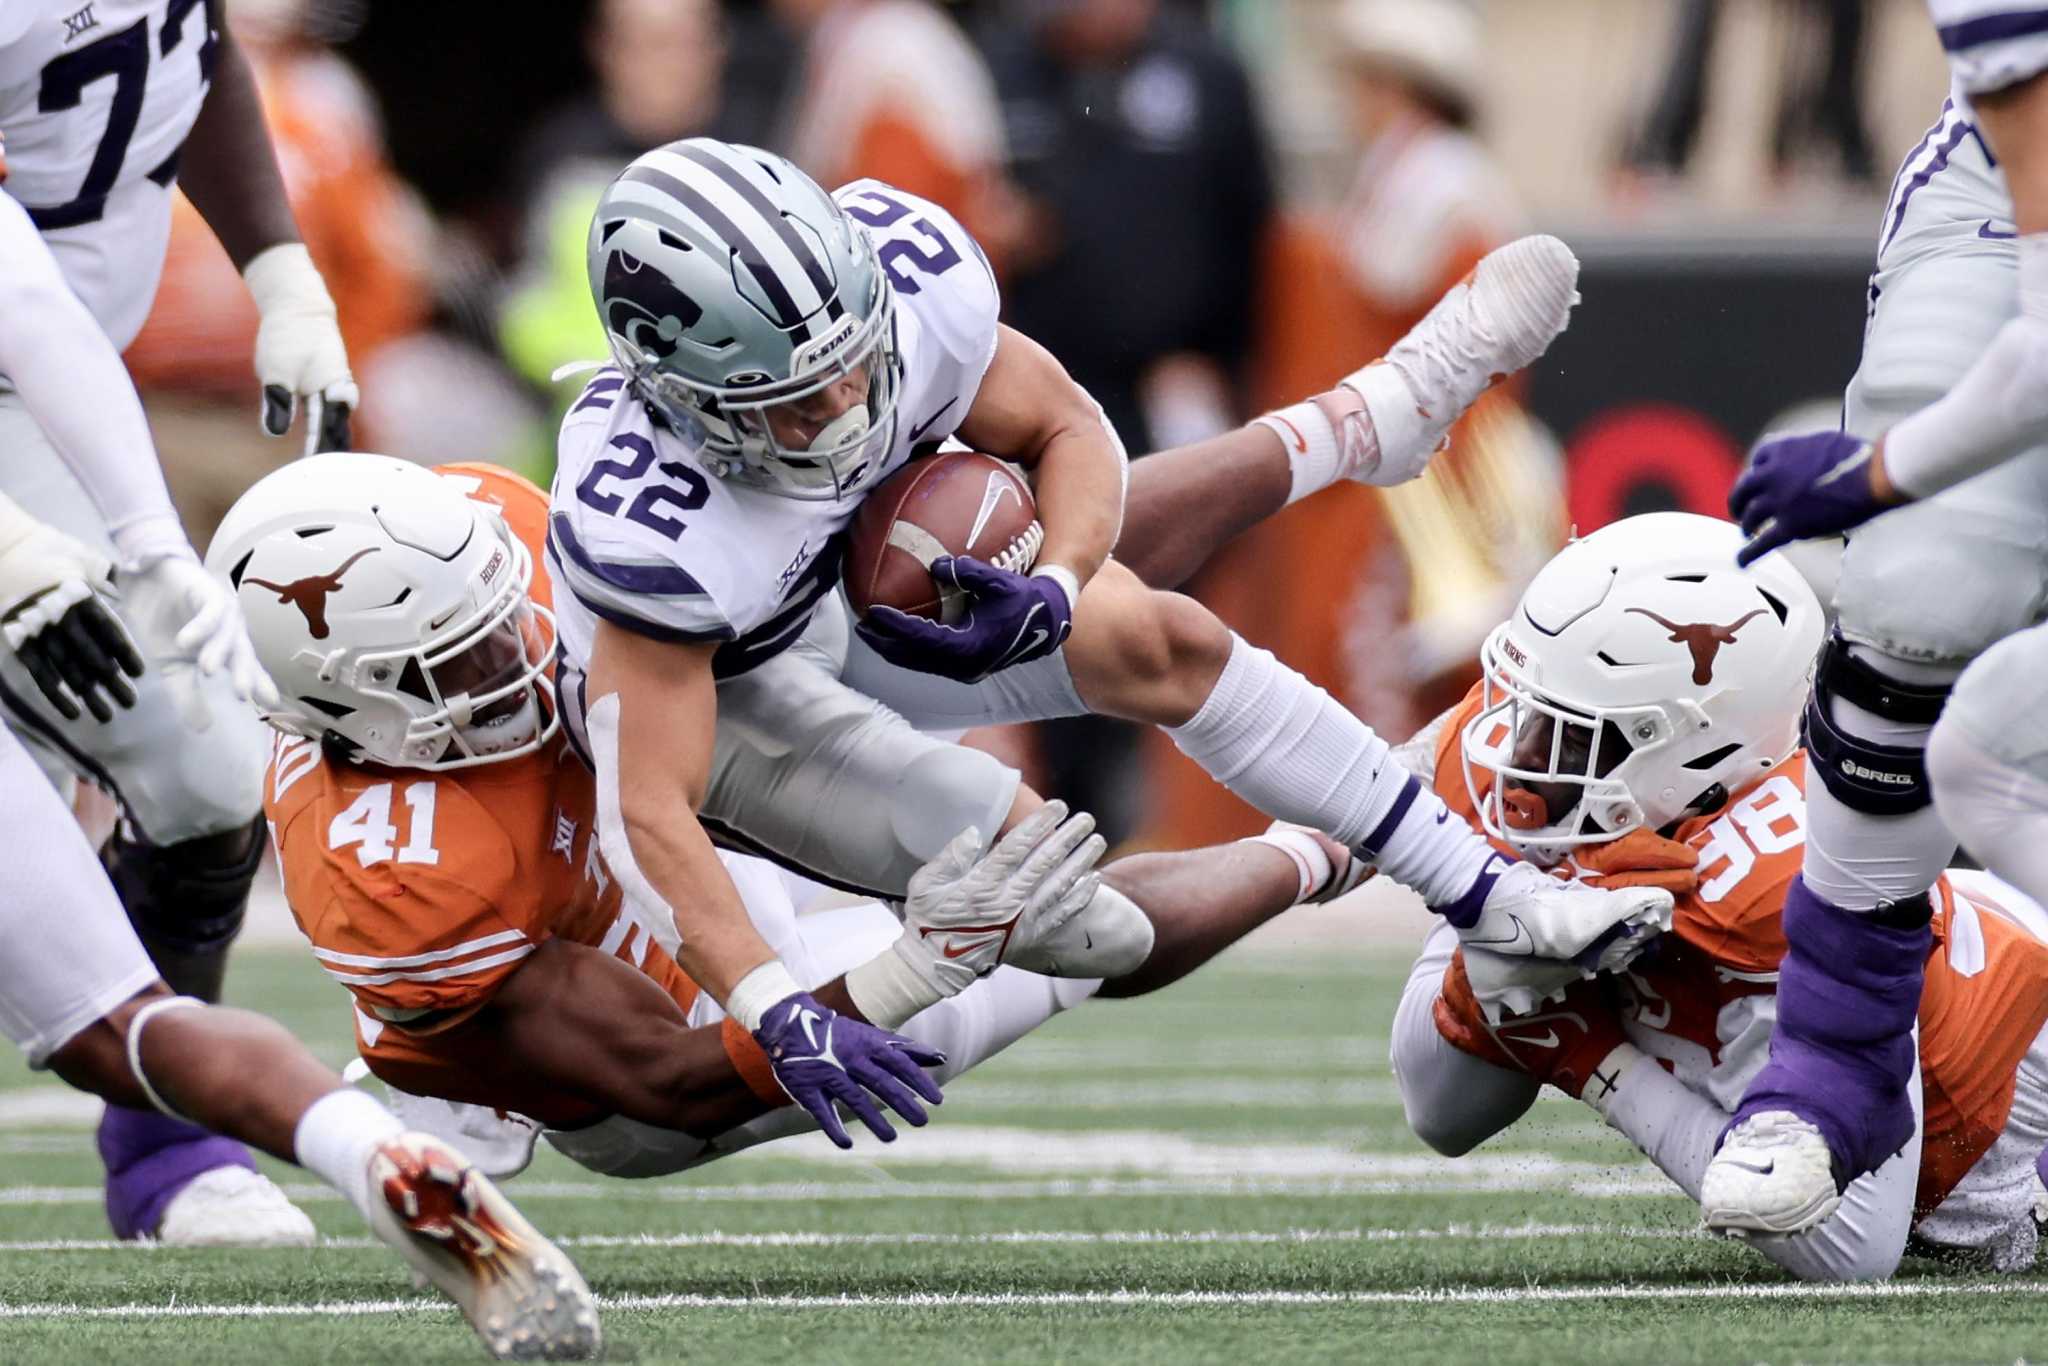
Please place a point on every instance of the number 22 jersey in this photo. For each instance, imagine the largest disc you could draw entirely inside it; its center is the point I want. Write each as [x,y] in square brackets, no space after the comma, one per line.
[644,536]
[96,101]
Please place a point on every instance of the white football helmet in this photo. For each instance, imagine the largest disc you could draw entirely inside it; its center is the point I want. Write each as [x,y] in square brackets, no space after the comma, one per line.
[392,611]
[1640,672]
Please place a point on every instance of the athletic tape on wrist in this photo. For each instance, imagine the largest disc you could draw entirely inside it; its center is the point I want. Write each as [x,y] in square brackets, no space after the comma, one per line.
[887,990]
[1064,577]
[757,992]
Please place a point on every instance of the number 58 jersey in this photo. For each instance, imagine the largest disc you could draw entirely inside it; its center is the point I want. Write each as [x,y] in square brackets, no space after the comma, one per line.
[96,100]
[643,535]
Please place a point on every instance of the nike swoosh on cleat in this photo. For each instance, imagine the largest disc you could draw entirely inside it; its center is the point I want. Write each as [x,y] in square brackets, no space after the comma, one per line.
[1549,1039]
[1764,1170]
[1519,942]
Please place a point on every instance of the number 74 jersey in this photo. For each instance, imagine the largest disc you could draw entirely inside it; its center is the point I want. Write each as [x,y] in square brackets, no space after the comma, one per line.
[96,100]
[642,534]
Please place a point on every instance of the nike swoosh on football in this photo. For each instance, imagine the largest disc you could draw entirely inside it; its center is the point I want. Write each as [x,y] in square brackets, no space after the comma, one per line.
[991,499]
[921,428]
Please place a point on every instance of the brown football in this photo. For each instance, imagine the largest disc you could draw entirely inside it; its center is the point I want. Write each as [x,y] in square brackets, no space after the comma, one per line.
[953,503]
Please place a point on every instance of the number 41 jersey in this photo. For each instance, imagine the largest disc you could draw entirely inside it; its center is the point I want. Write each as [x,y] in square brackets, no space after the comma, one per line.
[644,536]
[96,100]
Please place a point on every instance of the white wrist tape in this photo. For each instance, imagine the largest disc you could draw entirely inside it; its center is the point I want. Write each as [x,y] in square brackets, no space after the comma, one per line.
[1064,577]
[1309,858]
[756,993]
[284,276]
[1605,1083]
[888,990]
[1313,454]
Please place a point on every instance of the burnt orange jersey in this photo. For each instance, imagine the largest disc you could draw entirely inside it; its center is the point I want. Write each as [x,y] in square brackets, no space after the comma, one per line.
[422,892]
[1705,1001]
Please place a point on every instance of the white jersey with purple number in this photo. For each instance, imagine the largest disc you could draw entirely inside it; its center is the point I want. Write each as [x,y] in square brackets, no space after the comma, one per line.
[643,535]
[1991,44]
[96,101]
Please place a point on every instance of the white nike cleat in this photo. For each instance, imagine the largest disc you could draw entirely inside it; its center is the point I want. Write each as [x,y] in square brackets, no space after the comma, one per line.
[1495,321]
[1526,913]
[233,1207]
[1774,1174]
[525,1298]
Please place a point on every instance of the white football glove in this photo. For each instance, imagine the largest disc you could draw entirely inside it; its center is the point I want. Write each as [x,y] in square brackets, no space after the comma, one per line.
[969,910]
[54,618]
[299,351]
[1530,914]
[169,594]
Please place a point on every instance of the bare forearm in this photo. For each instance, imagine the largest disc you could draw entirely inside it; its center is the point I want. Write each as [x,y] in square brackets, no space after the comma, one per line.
[1187,503]
[1080,502]
[1200,903]
[229,169]
[719,944]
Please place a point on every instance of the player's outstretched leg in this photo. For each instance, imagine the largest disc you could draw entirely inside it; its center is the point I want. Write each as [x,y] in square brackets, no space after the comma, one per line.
[167,1179]
[176,1055]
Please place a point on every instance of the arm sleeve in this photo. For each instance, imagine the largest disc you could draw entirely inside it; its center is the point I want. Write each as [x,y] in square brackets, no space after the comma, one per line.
[72,380]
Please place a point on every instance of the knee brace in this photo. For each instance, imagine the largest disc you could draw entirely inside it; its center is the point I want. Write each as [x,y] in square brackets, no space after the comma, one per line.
[1866,775]
[187,900]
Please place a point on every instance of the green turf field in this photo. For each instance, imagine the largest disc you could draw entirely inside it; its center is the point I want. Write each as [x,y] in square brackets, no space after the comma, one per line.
[1217,1174]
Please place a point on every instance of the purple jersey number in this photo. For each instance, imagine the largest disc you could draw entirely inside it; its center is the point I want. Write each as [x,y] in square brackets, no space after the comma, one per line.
[883,211]
[689,491]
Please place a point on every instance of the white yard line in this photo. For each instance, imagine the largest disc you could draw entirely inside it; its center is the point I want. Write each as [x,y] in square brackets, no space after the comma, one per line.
[1009,1238]
[1534,1294]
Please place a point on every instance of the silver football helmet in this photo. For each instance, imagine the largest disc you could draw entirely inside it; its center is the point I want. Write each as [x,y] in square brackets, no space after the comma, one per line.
[750,315]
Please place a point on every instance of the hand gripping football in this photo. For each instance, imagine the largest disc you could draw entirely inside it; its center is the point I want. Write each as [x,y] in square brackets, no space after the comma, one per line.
[953,503]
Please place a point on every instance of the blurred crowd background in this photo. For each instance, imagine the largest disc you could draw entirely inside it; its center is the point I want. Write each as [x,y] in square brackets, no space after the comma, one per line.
[1204,207]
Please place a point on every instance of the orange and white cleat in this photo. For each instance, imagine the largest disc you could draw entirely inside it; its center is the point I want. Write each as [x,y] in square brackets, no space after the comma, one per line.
[523,1296]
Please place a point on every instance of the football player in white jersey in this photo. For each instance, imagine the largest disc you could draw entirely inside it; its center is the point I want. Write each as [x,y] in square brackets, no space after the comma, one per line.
[1912,741]
[103,108]
[777,351]
[78,993]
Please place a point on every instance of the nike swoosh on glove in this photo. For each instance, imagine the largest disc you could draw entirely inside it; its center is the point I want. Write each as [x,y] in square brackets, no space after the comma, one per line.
[967,909]
[820,1056]
[1516,910]
[1010,619]
[300,356]
[1799,487]
[55,621]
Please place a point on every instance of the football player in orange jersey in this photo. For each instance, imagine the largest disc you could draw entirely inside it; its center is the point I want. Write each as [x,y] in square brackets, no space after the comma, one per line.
[439,843]
[1637,725]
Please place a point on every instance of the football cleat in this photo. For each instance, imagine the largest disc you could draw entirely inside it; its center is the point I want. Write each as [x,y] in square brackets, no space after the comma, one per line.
[523,1296]
[233,1207]
[1495,321]
[1773,1174]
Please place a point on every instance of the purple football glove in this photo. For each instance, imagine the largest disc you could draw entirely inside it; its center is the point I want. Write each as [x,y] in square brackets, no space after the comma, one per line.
[1798,487]
[821,1056]
[1011,618]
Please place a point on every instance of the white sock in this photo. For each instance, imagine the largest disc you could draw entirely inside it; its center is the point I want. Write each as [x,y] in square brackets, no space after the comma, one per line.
[1287,747]
[1676,1128]
[335,1137]
[1314,455]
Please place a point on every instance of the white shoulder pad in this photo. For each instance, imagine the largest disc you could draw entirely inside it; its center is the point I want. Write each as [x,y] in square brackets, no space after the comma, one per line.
[1992,44]
[939,271]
